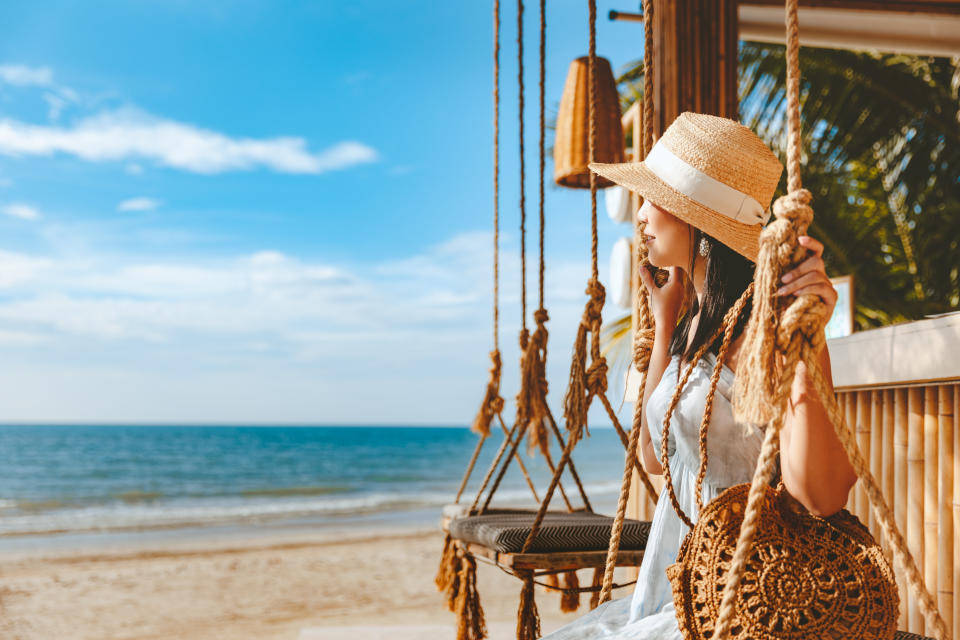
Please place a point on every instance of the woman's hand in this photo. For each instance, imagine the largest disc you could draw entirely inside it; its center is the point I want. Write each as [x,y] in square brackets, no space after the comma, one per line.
[810,277]
[665,301]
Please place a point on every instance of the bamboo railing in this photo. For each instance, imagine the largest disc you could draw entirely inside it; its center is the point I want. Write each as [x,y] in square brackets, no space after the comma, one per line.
[899,387]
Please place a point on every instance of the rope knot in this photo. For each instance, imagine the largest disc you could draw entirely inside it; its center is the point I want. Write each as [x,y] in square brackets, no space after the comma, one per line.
[492,403]
[597,377]
[593,312]
[540,316]
[643,347]
[795,208]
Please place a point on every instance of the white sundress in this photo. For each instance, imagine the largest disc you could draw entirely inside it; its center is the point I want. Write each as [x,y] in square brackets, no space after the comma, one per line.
[648,614]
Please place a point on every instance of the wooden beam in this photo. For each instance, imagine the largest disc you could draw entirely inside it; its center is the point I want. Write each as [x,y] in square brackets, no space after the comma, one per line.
[559,561]
[940,7]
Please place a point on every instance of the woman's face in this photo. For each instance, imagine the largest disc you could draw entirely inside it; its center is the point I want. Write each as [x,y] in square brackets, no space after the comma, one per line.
[668,237]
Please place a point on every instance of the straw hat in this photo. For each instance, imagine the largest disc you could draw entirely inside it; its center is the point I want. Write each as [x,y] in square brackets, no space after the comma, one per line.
[711,172]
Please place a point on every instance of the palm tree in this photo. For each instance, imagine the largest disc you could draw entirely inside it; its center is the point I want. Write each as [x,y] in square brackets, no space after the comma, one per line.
[881,136]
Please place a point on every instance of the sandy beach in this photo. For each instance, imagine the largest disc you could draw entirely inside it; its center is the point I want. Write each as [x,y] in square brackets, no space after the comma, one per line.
[281,588]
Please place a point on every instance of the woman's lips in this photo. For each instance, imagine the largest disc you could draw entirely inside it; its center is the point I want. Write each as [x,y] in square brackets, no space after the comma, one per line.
[649,239]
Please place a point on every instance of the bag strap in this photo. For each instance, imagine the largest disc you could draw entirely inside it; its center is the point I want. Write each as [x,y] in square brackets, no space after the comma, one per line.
[726,330]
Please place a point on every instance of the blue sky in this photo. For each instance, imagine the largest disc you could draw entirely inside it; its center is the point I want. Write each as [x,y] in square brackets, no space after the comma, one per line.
[274,212]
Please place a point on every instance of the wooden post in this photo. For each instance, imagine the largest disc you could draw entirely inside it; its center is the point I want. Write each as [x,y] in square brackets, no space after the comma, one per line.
[900,467]
[915,495]
[695,59]
[946,498]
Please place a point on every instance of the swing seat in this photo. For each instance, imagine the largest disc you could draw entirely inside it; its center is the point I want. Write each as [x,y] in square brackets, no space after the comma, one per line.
[452,512]
[903,635]
[505,532]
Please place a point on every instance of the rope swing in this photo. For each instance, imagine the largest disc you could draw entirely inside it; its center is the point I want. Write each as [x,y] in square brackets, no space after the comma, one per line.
[643,332]
[779,336]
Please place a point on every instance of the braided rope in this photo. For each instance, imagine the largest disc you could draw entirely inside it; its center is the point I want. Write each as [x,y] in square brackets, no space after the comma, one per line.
[775,344]
[532,398]
[726,330]
[643,335]
[616,531]
[523,200]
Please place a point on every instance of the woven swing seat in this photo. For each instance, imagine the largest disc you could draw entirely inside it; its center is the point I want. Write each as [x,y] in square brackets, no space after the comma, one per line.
[452,512]
[903,635]
[505,532]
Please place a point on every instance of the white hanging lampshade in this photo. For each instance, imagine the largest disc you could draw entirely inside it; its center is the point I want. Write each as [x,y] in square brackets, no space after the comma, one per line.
[621,259]
[619,201]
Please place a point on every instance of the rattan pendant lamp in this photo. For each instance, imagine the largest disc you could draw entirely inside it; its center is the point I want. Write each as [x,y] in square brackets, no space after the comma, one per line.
[571,149]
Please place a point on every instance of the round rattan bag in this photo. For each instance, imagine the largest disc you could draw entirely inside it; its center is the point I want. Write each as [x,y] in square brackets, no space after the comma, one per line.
[806,577]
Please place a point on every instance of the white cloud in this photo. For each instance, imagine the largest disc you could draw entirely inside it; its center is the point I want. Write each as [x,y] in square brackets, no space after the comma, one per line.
[130,134]
[294,338]
[24,76]
[20,210]
[55,104]
[138,204]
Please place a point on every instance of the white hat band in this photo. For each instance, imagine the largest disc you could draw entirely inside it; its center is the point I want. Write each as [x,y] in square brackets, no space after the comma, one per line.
[703,189]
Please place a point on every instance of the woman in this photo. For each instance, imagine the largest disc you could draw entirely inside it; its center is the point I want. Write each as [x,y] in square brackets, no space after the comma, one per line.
[707,185]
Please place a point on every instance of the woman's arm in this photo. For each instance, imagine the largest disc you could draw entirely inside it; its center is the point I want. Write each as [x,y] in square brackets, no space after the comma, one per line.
[815,467]
[659,359]
[665,304]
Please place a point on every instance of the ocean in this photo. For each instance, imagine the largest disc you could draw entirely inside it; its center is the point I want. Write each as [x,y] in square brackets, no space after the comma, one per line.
[87,482]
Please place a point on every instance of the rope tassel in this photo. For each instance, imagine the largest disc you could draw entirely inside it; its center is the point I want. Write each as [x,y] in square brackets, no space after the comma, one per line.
[759,376]
[492,402]
[570,600]
[528,619]
[532,407]
[447,571]
[470,622]
[598,577]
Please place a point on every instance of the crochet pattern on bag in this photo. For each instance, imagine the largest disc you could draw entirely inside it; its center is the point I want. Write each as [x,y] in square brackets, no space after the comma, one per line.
[807,577]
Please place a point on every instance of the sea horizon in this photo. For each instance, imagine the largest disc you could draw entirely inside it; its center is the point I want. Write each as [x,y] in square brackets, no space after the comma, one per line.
[106,482]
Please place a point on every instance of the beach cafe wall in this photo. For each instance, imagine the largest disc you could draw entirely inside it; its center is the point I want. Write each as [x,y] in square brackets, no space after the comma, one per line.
[900,385]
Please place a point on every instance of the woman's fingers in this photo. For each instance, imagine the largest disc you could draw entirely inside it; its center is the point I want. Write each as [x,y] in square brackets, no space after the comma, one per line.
[811,243]
[825,290]
[813,263]
[646,279]
[813,282]
[805,280]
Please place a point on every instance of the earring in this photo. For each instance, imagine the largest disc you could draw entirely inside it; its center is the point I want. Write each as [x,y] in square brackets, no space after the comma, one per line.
[704,247]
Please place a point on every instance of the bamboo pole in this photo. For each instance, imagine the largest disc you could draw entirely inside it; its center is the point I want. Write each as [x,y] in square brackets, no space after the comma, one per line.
[863,442]
[849,406]
[915,494]
[876,449]
[930,508]
[889,484]
[900,466]
[956,511]
[945,492]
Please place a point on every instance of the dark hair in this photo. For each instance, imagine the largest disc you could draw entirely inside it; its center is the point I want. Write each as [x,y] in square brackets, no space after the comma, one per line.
[728,274]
